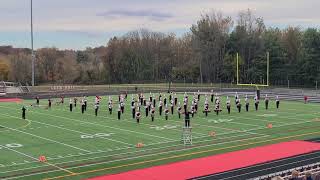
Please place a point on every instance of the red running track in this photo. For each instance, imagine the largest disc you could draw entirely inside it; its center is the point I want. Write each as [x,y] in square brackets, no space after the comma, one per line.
[11,100]
[218,163]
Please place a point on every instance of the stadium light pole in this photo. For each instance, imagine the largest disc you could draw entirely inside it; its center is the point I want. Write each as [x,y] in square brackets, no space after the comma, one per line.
[32,52]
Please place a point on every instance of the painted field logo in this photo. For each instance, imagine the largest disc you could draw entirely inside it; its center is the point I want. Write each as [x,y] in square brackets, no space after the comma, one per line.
[267,115]
[12,145]
[159,128]
[219,120]
[91,136]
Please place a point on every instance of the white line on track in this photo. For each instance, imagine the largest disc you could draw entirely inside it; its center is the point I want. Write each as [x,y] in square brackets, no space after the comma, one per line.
[263,164]
[235,177]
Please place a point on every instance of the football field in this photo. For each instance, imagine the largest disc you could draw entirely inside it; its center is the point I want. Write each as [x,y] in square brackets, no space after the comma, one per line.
[78,146]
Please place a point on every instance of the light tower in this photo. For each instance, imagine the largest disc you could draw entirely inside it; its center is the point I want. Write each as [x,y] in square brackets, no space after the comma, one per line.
[32,52]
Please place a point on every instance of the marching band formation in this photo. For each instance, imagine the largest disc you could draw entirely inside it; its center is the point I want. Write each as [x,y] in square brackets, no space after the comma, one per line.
[166,106]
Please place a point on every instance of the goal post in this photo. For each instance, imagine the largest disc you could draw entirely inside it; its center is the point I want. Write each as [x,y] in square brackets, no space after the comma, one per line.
[252,84]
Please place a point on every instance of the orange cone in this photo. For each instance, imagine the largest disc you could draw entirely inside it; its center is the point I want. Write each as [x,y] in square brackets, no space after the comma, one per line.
[212,134]
[42,159]
[139,145]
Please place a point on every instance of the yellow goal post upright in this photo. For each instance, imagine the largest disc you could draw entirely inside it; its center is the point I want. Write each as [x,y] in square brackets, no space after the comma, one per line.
[254,85]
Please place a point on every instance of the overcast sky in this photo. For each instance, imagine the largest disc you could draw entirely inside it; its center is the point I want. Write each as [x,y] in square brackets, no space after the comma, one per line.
[77,24]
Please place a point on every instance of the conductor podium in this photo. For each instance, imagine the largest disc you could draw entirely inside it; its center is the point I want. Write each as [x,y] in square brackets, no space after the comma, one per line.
[186,137]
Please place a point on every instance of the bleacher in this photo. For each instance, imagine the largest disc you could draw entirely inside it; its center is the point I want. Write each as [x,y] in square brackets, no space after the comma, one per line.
[2,88]
[12,88]
[314,169]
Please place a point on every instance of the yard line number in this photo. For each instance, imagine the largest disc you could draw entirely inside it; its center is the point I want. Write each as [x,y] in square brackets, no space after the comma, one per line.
[98,135]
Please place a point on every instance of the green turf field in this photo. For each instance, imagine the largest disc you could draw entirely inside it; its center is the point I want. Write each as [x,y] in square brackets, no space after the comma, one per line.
[80,146]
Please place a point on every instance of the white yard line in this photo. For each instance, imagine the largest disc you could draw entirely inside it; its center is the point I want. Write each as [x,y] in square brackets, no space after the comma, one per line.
[97,124]
[131,121]
[46,139]
[136,157]
[70,130]
[26,155]
[244,131]
[150,149]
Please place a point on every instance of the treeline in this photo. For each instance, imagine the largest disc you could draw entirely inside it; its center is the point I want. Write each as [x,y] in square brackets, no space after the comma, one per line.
[205,54]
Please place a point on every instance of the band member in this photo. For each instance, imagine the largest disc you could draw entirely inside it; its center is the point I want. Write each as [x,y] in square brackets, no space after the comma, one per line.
[179,110]
[216,98]
[199,95]
[49,103]
[305,99]
[247,103]
[144,102]
[211,93]
[85,102]
[195,105]
[149,105]
[152,113]
[170,96]
[96,108]
[146,107]
[206,109]
[119,112]
[238,103]
[236,96]
[154,101]
[75,101]
[256,102]
[150,97]
[70,105]
[160,107]
[133,108]
[175,98]
[37,100]
[228,105]
[82,106]
[165,100]
[187,119]
[110,106]
[166,112]
[217,108]
[160,96]
[23,112]
[185,102]
[192,109]
[138,116]
[171,105]
[277,102]
[122,107]
[266,101]
[62,100]
[141,98]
